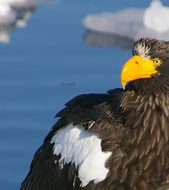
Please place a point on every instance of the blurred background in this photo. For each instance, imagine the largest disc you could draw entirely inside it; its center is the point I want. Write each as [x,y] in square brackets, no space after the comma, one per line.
[53,50]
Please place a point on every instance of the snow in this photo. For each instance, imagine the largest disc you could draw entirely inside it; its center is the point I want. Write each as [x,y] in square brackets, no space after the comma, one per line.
[156,17]
[20,4]
[7,14]
[133,23]
[15,13]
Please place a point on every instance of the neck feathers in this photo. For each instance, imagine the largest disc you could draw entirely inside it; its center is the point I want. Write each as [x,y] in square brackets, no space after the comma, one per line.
[146,119]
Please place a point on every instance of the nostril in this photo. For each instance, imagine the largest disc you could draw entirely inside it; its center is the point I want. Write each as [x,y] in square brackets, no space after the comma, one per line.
[136,62]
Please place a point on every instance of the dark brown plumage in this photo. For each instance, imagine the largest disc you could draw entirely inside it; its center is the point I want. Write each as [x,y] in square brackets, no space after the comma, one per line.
[133,124]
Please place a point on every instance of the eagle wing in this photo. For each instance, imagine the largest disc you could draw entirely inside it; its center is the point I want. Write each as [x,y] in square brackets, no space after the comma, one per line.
[89,129]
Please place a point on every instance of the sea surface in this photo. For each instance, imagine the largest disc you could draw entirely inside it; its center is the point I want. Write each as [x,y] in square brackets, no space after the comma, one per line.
[43,66]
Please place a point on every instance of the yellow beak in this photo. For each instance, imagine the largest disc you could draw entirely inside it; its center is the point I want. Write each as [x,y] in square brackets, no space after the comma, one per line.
[137,68]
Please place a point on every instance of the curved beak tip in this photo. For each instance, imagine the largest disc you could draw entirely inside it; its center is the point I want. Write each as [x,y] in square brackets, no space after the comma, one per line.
[123,83]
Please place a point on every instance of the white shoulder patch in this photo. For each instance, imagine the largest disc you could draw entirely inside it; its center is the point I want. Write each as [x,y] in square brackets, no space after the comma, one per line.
[82,148]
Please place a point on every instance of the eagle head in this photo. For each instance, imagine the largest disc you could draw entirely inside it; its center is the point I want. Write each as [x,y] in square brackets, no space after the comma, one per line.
[149,65]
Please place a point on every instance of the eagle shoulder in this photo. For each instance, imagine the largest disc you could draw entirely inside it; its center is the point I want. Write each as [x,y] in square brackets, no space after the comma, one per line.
[80,144]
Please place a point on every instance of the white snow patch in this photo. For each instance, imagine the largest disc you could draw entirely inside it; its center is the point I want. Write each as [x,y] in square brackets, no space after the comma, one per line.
[15,13]
[7,14]
[121,23]
[4,37]
[156,17]
[20,4]
[133,23]
[82,148]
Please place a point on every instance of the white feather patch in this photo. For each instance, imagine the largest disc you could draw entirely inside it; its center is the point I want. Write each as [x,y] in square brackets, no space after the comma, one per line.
[143,50]
[82,148]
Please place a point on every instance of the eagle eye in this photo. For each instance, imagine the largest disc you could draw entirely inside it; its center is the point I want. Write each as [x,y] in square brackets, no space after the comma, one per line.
[157,61]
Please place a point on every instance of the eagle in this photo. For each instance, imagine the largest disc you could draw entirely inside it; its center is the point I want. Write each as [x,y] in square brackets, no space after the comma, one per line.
[118,140]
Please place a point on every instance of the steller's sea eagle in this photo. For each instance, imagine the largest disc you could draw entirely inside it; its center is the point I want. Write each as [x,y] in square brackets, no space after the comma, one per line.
[113,141]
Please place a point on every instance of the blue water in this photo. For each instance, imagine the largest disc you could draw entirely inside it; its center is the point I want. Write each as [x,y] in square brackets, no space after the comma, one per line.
[44,66]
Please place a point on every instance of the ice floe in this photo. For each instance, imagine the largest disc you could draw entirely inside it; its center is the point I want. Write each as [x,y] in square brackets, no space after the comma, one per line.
[131,23]
[156,17]
[15,13]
